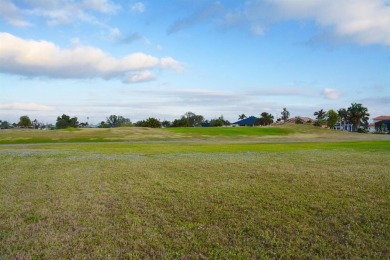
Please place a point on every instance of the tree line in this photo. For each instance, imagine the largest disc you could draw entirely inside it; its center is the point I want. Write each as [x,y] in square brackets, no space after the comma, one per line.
[356,115]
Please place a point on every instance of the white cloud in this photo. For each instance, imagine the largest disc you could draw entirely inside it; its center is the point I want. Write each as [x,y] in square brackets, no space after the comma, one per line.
[45,59]
[12,14]
[102,6]
[57,12]
[25,106]
[141,76]
[169,62]
[330,93]
[138,7]
[362,21]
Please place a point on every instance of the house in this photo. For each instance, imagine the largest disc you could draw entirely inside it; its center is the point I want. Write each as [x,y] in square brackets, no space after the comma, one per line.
[380,118]
[249,121]
[382,126]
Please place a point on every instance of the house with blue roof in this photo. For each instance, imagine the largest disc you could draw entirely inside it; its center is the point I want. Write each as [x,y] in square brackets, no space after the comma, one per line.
[249,121]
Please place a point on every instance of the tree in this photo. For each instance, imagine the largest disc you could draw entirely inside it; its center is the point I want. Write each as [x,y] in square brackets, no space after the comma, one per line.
[150,122]
[193,119]
[4,125]
[220,121]
[321,117]
[166,123]
[333,117]
[241,117]
[266,119]
[182,122]
[103,125]
[24,121]
[66,121]
[189,119]
[321,114]
[118,121]
[343,115]
[357,115]
[285,114]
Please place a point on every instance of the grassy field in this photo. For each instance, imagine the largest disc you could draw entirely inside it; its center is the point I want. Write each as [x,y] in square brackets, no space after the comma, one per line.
[286,132]
[189,194]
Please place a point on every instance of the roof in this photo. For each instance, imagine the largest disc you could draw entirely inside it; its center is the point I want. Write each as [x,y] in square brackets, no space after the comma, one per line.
[247,121]
[379,123]
[381,118]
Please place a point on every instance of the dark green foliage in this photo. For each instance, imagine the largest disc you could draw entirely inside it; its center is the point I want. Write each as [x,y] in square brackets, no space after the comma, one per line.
[189,119]
[150,122]
[117,121]
[242,116]
[357,115]
[265,119]
[166,123]
[4,125]
[103,125]
[24,121]
[66,121]
[333,117]
[285,114]
[321,115]
[182,122]
[220,121]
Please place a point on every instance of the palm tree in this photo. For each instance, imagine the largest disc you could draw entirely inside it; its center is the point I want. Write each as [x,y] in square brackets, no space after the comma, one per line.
[266,119]
[285,114]
[321,114]
[357,114]
[242,116]
[343,114]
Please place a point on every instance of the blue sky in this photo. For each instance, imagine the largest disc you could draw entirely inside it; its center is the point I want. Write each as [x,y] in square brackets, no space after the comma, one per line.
[140,59]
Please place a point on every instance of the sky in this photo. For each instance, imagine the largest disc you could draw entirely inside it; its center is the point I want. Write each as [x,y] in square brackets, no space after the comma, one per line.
[152,58]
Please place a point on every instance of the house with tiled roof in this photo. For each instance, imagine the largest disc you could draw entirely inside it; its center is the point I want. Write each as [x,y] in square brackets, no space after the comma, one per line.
[380,118]
[382,124]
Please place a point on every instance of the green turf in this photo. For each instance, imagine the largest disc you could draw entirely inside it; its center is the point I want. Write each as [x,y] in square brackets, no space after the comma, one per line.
[231,131]
[190,198]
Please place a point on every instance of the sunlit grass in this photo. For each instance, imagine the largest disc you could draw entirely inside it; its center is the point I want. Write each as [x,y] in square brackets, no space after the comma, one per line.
[195,200]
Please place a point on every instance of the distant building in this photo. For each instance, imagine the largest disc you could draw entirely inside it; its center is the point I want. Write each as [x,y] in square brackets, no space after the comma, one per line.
[381,124]
[249,121]
[380,118]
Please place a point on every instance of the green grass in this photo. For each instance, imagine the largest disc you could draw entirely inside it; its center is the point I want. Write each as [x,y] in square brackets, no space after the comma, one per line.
[195,198]
[231,131]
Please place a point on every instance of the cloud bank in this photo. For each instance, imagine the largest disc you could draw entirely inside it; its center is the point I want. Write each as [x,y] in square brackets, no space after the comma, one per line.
[32,58]
[361,21]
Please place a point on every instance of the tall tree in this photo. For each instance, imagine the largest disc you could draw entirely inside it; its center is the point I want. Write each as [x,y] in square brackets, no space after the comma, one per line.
[266,118]
[333,117]
[321,114]
[4,125]
[285,114]
[24,121]
[241,117]
[66,121]
[193,119]
[358,115]
[150,122]
[116,121]
[343,116]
